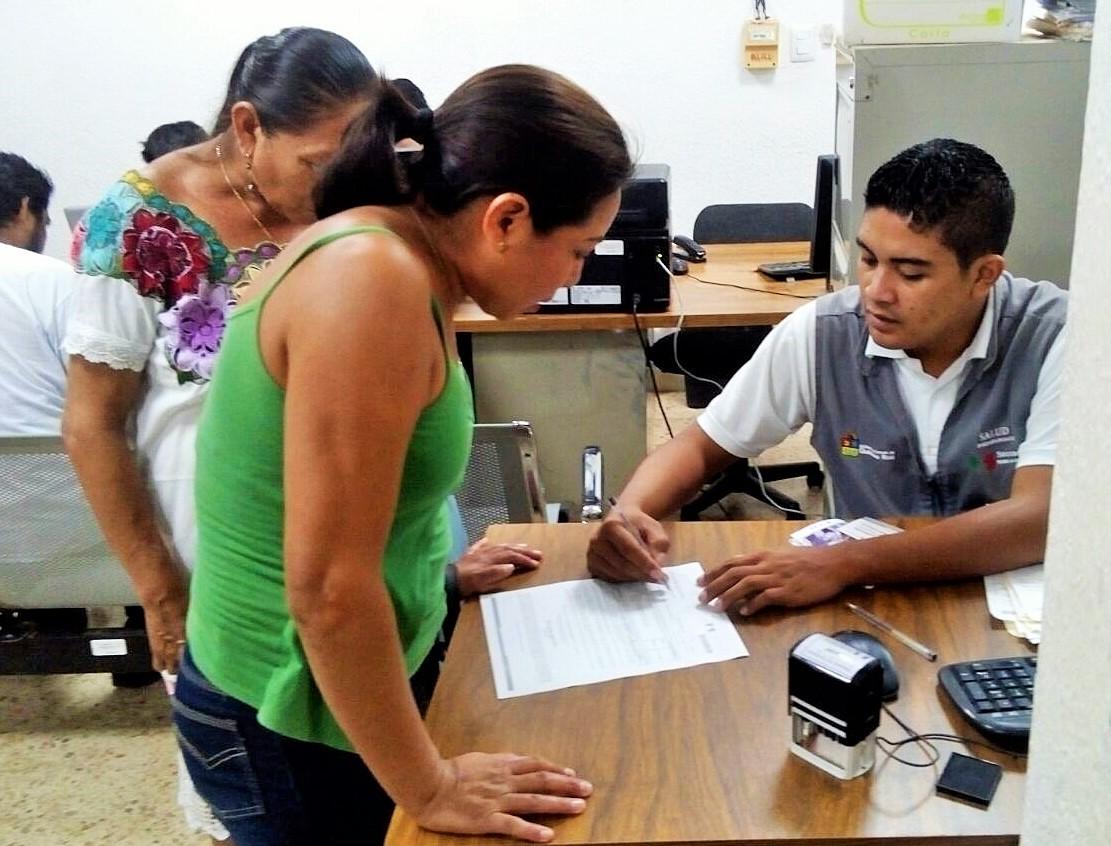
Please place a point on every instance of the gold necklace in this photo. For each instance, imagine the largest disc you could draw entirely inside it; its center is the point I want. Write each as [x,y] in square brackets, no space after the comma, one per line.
[238,196]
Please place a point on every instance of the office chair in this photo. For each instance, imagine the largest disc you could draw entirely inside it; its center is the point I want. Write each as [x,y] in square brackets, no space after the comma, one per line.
[718,353]
[74,215]
[502,481]
[753,223]
[53,567]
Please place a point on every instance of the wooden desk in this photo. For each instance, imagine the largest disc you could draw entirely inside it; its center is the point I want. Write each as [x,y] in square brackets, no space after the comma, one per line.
[700,755]
[580,378]
[703,304]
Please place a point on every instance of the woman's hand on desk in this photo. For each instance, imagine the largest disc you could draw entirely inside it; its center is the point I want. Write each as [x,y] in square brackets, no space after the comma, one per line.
[484,565]
[629,546]
[794,577]
[487,794]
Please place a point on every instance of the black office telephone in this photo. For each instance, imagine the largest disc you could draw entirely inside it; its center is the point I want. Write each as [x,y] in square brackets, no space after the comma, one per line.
[689,249]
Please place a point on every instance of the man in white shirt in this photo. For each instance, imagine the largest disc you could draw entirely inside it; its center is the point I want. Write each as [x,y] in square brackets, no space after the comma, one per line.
[35,296]
[932,387]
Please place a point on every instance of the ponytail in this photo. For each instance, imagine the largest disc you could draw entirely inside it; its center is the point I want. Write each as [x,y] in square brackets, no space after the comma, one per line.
[368,170]
[514,128]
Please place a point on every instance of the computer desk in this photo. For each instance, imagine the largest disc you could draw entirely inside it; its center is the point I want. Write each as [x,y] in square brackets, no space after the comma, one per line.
[580,379]
[699,755]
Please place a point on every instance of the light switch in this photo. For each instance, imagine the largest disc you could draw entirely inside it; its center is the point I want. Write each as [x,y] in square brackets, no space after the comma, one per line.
[804,45]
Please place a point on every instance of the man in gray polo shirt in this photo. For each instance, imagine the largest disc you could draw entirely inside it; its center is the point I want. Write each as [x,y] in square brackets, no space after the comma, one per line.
[932,387]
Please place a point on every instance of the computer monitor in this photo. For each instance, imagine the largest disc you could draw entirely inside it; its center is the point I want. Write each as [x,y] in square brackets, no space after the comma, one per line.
[826,190]
[825,197]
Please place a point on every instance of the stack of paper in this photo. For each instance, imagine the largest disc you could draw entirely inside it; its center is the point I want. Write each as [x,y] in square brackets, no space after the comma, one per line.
[1015,598]
[834,530]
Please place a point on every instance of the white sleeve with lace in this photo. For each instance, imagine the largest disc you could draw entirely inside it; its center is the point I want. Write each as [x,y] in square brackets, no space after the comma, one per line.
[112,324]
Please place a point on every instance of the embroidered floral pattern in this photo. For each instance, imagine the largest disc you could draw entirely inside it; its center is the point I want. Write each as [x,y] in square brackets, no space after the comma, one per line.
[246,264]
[163,257]
[172,256]
[96,243]
[194,329]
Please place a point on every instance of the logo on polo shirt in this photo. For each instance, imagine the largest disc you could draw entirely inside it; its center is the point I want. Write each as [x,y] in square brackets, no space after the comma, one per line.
[989,459]
[851,447]
[988,455]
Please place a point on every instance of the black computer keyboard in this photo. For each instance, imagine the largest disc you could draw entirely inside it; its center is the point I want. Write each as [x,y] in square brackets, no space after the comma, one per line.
[788,270]
[995,695]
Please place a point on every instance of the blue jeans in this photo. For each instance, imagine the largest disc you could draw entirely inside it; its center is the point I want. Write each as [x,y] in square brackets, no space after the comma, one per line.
[272,790]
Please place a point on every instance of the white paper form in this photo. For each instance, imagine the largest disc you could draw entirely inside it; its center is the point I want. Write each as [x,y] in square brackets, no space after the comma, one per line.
[581,632]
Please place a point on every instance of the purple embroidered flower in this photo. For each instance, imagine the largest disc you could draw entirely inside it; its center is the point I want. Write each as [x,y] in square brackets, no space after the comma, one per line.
[245,263]
[195,327]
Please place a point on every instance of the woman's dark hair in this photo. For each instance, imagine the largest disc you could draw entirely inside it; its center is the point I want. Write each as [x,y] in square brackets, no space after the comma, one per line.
[512,128]
[294,77]
[953,187]
[171,136]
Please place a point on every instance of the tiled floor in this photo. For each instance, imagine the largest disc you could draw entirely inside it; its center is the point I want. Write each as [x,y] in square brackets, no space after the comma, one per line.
[83,763]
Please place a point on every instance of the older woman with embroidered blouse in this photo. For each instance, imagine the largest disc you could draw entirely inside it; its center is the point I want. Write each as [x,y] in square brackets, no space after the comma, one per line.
[164,254]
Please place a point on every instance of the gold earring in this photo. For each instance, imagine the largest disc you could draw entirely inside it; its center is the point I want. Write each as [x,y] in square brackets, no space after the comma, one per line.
[250,181]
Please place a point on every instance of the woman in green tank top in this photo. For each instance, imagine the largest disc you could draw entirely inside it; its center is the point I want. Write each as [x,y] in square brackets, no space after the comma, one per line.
[336,425]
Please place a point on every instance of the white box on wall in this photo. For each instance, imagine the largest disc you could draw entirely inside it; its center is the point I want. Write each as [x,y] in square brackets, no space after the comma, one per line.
[931,21]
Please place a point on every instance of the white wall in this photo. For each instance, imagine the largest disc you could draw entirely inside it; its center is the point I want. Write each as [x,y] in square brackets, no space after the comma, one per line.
[1069,785]
[84,82]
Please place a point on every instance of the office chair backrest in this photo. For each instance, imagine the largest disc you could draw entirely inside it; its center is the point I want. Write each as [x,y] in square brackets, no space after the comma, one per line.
[502,482]
[750,223]
[52,553]
[74,215]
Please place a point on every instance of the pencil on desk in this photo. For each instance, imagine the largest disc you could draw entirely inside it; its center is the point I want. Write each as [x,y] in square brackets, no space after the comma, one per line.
[884,626]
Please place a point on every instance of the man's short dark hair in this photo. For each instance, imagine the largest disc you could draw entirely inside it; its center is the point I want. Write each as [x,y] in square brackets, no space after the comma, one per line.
[952,187]
[172,136]
[18,179]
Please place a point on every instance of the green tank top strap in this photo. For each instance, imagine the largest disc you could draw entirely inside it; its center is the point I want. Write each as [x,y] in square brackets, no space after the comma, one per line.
[322,241]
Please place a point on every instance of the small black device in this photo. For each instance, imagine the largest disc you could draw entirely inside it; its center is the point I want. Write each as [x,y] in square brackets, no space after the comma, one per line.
[689,249]
[995,695]
[679,267]
[629,270]
[825,187]
[870,645]
[970,779]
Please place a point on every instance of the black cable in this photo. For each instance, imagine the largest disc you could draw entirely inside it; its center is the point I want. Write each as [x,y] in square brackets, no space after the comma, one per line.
[923,740]
[651,369]
[757,290]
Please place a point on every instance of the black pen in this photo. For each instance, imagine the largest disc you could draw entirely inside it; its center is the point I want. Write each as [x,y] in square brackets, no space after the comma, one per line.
[633,531]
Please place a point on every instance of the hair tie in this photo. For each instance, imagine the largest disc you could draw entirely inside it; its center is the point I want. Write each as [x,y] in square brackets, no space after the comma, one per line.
[423,126]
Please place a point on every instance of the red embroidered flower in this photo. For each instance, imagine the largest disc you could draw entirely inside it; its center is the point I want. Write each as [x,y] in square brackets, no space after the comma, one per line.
[162,258]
